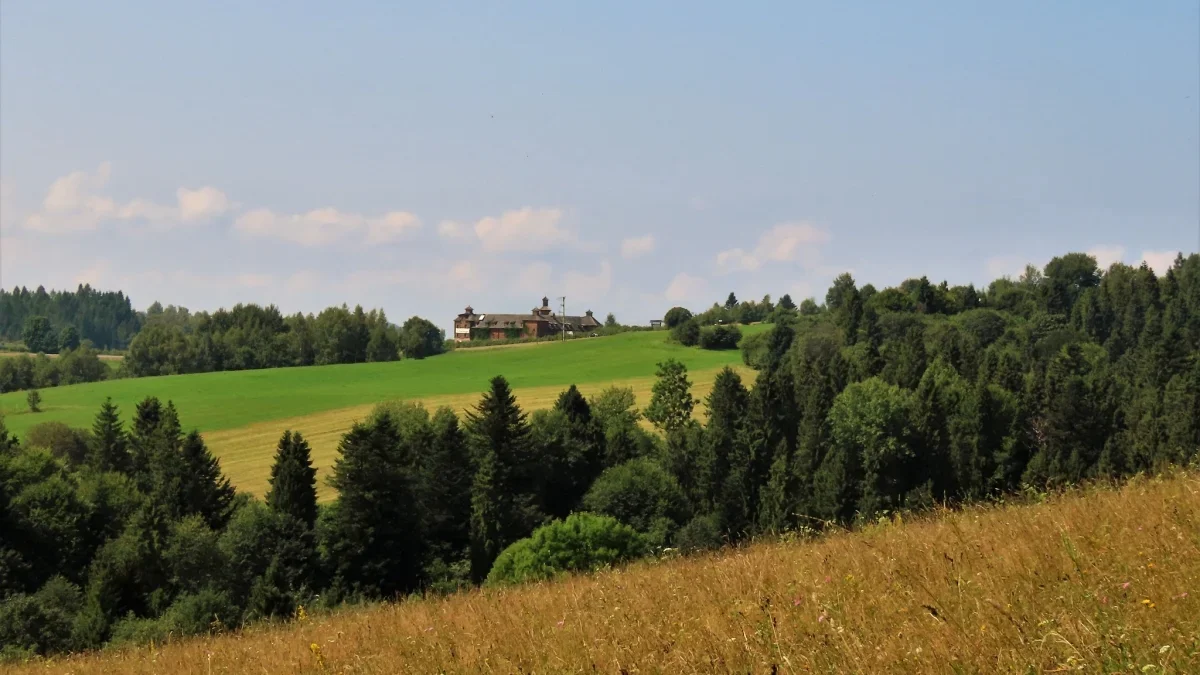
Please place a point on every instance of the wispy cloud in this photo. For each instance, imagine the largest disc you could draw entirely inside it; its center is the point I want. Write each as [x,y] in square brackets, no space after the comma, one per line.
[76,202]
[1159,261]
[321,227]
[635,247]
[527,229]
[787,242]
[1107,255]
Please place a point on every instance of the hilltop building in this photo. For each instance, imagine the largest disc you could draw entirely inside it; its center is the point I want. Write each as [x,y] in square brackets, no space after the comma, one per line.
[539,322]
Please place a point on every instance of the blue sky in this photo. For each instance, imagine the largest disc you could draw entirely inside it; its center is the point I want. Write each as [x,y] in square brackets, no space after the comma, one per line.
[632,156]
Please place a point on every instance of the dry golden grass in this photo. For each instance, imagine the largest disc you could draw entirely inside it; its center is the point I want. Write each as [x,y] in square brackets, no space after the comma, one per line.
[1097,581]
[246,453]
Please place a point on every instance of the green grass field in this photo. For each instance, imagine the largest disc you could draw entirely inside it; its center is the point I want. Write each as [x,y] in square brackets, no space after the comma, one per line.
[242,413]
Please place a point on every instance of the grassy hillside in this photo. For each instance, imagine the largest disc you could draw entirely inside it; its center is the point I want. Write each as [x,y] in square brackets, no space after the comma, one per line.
[1096,581]
[243,413]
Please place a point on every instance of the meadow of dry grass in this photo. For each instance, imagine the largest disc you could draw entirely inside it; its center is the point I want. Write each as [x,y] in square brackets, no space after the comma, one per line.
[1095,581]
[246,453]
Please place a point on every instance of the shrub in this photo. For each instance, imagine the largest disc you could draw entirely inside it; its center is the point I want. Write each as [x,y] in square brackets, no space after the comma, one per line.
[34,399]
[754,349]
[641,494]
[41,623]
[208,611]
[703,533]
[676,316]
[61,440]
[686,333]
[582,543]
[720,337]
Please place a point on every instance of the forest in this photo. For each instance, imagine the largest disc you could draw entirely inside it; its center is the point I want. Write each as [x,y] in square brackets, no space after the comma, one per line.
[876,402]
[173,341]
[105,319]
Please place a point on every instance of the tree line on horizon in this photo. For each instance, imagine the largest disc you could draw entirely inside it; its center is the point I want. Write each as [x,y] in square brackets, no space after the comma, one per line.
[173,341]
[878,402]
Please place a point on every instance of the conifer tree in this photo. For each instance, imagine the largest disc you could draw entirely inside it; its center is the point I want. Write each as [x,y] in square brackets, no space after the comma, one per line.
[778,499]
[571,467]
[208,492]
[292,497]
[574,405]
[726,406]
[293,481]
[146,422]
[376,542]
[110,444]
[503,502]
[446,476]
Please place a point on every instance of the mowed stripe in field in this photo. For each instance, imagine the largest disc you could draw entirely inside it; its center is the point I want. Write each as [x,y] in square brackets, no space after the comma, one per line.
[247,452]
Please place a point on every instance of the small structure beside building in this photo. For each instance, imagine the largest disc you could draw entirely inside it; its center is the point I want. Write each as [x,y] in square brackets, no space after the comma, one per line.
[656,323]
[539,322]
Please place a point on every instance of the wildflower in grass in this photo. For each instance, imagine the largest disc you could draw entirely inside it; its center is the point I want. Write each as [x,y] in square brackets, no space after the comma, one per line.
[1125,585]
[796,601]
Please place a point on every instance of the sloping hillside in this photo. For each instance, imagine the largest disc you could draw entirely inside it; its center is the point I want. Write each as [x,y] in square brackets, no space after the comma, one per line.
[1095,581]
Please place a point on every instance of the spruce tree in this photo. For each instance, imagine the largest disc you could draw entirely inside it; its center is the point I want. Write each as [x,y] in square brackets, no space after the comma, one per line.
[726,406]
[146,422]
[503,506]
[574,405]
[110,445]
[578,459]
[778,500]
[376,542]
[293,481]
[446,476]
[208,492]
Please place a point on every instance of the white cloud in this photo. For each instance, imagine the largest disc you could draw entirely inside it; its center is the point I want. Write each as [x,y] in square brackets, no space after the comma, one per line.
[637,246]
[786,242]
[391,226]
[1107,255]
[736,259]
[1159,261]
[450,229]
[324,226]
[685,287]
[75,202]
[202,203]
[526,229]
